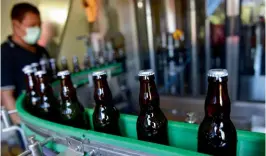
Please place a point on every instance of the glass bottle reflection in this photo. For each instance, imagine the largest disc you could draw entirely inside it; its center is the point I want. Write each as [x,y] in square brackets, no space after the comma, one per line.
[48,106]
[72,112]
[217,134]
[32,99]
[151,122]
[105,115]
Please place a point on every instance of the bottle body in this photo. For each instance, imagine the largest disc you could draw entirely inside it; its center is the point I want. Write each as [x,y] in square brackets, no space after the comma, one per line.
[72,113]
[151,123]
[48,106]
[32,99]
[105,115]
[217,137]
[152,126]
[106,119]
[217,134]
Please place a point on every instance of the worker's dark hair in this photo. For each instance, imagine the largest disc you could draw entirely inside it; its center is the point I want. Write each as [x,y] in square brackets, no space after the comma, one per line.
[19,10]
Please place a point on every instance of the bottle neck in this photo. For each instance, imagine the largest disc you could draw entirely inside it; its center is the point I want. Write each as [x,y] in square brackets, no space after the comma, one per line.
[102,92]
[217,103]
[31,82]
[67,92]
[43,86]
[148,95]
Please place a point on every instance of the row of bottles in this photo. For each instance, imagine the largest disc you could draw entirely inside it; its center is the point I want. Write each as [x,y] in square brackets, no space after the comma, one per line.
[47,65]
[170,62]
[103,52]
[216,134]
[41,102]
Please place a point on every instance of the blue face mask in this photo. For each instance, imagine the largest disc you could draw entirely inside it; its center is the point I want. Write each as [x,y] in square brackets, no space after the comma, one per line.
[32,35]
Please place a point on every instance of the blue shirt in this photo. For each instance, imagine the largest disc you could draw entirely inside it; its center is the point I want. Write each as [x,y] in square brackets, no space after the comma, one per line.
[13,59]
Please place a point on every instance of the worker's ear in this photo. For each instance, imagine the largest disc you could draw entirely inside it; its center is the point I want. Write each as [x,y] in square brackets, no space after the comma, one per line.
[15,23]
[18,28]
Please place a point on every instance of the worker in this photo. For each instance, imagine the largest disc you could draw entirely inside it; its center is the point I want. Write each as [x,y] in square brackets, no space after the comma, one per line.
[18,50]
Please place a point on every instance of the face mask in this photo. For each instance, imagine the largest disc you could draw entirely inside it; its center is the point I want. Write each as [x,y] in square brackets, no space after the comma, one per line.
[32,35]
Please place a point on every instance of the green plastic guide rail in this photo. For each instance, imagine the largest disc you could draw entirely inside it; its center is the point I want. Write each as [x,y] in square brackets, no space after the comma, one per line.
[182,136]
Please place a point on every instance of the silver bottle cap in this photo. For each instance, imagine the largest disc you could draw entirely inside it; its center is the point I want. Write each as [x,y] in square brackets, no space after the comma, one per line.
[43,61]
[27,69]
[40,73]
[34,64]
[52,60]
[99,73]
[217,73]
[63,73]
[147,72]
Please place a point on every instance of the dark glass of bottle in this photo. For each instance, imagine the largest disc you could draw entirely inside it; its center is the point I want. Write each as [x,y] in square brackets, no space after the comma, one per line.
[72,112]
[35,67]
[105,115]
[32,99]
[48,106]
[217,134]
[64,64]
[76,67]
[53,68]
[151,123]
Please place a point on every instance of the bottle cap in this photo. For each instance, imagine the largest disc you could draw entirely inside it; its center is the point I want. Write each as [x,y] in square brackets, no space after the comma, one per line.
[147,72]
[27,69]
[63,73]
[43,61]
[217,73]
[52,60]
[34,64]
[99,73]
[75,58]
[40,73]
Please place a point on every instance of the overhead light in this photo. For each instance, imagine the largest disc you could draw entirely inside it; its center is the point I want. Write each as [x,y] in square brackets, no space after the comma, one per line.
[140,4]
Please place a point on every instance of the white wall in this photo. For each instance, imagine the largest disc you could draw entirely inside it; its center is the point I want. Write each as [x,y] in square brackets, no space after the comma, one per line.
[76,25]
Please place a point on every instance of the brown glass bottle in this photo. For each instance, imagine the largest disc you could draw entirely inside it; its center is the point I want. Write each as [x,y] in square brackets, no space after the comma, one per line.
[32,99]
[217,134]
[151,123]
[76,67]
[105,115]
[53,68]
[72,113]
[48,106]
